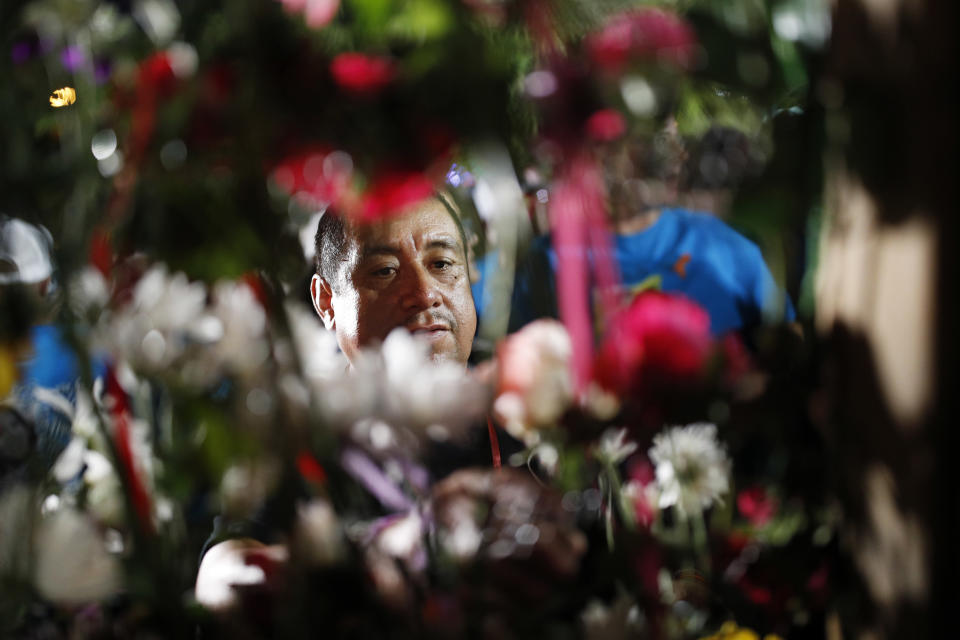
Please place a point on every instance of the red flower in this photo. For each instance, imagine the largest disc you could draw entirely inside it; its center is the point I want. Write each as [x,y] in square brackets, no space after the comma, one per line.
[310,469]
[658,339]
[362,74]
[156,75]
[315,173]
[756,505]
[606,125]
[646,34]
[392,192]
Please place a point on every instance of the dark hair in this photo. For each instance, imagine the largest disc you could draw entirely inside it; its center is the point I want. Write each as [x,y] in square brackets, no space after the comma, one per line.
[329,244]
[330,240]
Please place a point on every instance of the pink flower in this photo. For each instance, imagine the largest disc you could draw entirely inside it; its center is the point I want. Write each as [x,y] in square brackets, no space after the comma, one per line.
[362,74]
[644,34]
[757,505]
[606,125]
[659,339]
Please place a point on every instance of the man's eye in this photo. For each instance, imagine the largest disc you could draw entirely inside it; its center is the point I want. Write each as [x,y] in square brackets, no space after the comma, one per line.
[384,272]
[442,265]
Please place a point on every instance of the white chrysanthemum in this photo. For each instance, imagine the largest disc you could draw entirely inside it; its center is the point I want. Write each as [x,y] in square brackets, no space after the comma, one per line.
[402,386]
[692,467]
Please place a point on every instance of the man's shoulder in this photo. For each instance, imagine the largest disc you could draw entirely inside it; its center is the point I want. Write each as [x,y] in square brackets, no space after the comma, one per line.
[708,228]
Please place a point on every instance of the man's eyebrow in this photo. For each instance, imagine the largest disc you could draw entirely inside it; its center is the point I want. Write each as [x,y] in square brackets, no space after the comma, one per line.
[444,242]
[378,249]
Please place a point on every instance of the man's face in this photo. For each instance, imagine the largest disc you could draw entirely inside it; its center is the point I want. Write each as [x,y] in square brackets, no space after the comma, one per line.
[409,271]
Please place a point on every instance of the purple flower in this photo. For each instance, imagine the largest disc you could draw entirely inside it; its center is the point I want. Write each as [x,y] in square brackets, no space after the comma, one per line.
[72,58]
[101,71]
[23,51]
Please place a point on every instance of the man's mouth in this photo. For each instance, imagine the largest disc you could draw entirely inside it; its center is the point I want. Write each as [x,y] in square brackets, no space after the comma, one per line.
[429,331]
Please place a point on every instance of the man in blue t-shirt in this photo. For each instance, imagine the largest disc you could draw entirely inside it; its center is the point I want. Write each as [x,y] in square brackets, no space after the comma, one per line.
[658,246]
[694,254]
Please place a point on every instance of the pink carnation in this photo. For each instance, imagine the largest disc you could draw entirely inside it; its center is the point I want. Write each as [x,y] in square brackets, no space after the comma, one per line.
[658,339]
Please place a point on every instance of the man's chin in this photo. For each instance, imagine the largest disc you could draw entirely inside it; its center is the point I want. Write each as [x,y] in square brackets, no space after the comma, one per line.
[447,351]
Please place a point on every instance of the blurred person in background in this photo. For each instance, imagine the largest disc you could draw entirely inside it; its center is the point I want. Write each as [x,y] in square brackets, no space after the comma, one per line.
[718,162]
[37,411]
[659,245]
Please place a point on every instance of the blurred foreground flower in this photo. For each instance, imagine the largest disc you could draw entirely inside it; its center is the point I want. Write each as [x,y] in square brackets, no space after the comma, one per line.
[397,397]
[730,631]
[72,564]
[392,192]
[614,447]
[394,553]
[651,35]
[757,505]
[174,327]
[362,74]
[158,324]
[318,535]
[505,518]
[661,341]
[606,125]
[316,13]
[534,384]
[692,467]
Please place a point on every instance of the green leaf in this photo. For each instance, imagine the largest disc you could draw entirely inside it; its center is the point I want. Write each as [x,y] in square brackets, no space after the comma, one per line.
[421,20]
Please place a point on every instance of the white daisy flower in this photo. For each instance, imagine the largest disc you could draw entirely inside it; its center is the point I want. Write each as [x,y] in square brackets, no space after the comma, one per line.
[692,468]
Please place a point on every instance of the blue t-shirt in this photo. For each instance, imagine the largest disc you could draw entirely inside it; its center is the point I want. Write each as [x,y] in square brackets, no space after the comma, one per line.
[46,392]
[694,254]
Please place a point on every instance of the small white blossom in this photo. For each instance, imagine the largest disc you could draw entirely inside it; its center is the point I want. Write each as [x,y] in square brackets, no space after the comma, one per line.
[614,447]
[692,468]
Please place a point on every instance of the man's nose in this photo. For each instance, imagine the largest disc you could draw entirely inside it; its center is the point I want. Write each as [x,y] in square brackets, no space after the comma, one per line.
[419,290]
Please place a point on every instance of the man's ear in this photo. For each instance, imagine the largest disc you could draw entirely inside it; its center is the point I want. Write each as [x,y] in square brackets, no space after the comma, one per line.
[322,296]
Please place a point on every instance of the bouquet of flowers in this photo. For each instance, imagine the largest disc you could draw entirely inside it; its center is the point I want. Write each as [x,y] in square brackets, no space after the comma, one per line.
[660,479]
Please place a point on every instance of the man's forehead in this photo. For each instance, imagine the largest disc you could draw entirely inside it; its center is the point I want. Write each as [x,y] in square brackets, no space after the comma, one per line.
[427,222]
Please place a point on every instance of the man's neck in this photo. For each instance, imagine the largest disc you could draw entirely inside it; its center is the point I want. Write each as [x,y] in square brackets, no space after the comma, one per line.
[637,222]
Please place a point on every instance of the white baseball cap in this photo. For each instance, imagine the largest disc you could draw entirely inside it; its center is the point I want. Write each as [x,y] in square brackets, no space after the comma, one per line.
[27,248]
